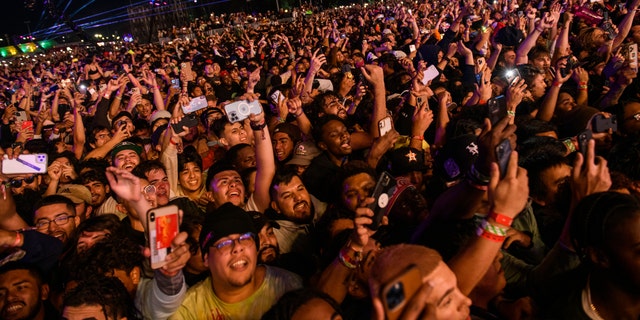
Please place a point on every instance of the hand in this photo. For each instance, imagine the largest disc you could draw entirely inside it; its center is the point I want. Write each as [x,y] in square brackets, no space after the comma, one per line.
[54,171]
[363,218]
[422,119]
[124,184]
[589,175]
[463,50]
[316,62]
[254,77]
[580,75]
[561,64]
[509,195]
[373,74]
[179,256]
[515,236]
[489,138]
[547,22]
[484,90]
[514,95]
[294,106]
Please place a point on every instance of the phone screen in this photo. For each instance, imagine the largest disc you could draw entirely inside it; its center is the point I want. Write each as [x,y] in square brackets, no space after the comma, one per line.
[163,227]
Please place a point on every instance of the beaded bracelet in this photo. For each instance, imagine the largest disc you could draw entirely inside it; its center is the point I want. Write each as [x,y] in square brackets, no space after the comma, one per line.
[496,230]
[569,144]
[346,260]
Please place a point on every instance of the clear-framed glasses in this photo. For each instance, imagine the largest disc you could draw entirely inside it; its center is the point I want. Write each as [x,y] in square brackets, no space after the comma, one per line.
[43,224]
[245,239]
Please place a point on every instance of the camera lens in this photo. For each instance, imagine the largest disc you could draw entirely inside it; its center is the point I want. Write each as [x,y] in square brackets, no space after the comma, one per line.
[152,217]
[395,295]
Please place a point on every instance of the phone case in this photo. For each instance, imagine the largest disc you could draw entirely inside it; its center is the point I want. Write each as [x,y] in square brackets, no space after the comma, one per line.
[241,110]
[25,163]
[21,116]
[382,193]
[398,291]
[385,126]
[503,153]
[430,74]
[195,105]
[583,142]
[602,124]
[188,121]
[497,108]
[163,227]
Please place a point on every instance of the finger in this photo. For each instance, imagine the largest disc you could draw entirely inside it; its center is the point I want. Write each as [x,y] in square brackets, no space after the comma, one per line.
[512,168]
[591,153]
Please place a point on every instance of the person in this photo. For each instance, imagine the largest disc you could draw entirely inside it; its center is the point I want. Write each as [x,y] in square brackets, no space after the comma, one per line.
[238,287]
[24,293]
[126,155]
[103,298]
[304,304]
[156,173]
[55,215]
[81,197]
[438,296]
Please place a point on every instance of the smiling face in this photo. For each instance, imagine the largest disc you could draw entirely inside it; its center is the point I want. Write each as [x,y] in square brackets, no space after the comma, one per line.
[58,211]
[126,159]
[190,177]
[227,186]
[293,201]
[20,295]
[158,178]
[235,268]
[282,145]
[99,192]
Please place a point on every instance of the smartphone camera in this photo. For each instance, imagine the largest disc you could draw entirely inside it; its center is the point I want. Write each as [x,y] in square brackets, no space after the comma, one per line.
[152,216]
[395,295]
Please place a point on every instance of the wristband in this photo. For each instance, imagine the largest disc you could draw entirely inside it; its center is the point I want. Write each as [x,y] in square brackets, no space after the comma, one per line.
[582,83]
[539,30]
[107,96]
[258,127]
[173,143]
[570,146]
[583,87]
[420,138]
[482,102]
[489,236]
[495,230]
[346,260]
[501,218]
[280,120]
[556,84]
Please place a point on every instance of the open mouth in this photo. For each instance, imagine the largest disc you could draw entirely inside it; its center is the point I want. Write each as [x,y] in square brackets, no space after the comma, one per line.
[239,264]
[14,308]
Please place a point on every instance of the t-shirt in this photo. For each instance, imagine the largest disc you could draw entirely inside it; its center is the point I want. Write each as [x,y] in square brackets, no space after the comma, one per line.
[201,302]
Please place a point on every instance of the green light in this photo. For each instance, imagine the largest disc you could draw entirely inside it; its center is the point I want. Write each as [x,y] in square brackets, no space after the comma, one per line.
[46,44]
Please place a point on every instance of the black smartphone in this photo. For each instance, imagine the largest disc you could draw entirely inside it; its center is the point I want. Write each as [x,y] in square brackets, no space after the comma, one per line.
[503,153]
[382,193]
[583,141]
[600,123]
[189,121]
[497,108]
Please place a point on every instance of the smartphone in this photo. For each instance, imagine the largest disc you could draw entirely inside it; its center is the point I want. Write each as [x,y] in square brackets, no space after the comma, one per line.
[195,104]
[430,74]
[397,292]
[277,97]
[175,83]
[512,76]
[503,153]
[385,125]
[583,141]
[241,110]
[27,125]
[189,121]
[412,48]
[162,228]
[186,68]
[134,90]
[25,163]
[601,124]
[497,108]
[21,116]
[632,56]
[54,88]
[382,193]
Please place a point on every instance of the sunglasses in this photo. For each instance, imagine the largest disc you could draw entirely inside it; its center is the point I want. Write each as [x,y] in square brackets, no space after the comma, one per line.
[17,183]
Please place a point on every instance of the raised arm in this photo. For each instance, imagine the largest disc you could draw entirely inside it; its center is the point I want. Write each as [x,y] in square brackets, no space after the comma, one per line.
[523,50]
[265,161]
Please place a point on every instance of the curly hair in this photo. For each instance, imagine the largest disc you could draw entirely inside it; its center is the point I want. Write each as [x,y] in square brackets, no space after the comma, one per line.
[107,292]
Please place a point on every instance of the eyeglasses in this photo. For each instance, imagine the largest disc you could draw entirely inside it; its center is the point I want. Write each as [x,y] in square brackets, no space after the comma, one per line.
[149,190]
[225,246]
[59,221]
[17,183]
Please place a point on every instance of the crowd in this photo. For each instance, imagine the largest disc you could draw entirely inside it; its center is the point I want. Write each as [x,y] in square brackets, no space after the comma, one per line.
[395,160]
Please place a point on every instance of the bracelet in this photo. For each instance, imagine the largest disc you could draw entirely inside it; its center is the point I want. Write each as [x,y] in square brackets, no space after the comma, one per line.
[297,115]
[482,102]
[582,83]
[349,245]
[258,127]
[18,239]
[556,84]
[117,97]
[501,218]
[107,96]
[540,30]
[494,229]
[570,146]
[173,143]
[346,260]
[489,236]
[419,138]
[583,87]
[511,113]
[280,120]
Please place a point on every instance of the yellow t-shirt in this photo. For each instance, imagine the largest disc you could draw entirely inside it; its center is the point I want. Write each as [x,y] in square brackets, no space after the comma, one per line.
[201,302]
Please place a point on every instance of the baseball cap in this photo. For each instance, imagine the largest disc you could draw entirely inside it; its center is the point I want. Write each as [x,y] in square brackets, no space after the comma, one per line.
[159,114]
[290,129]
[260,220]
[77,193]
[404,160]
[125,145]
[304,152]
[225,220]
